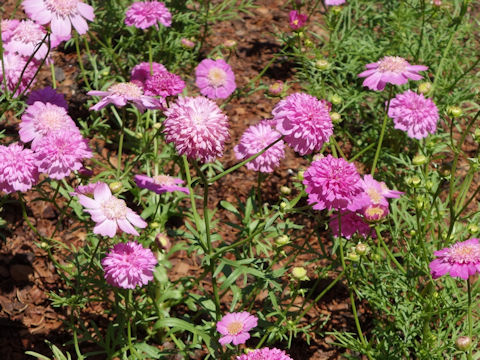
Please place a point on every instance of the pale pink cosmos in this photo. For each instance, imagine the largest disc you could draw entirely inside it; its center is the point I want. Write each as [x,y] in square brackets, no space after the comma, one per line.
[413,113]
[265,354]
[197,127]
[215,79]
[129,265]
[61,152]
[143,14]
[390,69]
[460,260]
[18,168]
[256,138]
[8,27]
[304,121]
[297,20]
[61,14]
[235,327]
[110,213]
[141,72]
[14,65]
[374,193]
[334,2]
[351,223]
[122,93]
[25,39]
[160,183]
[42,119]
[47,95]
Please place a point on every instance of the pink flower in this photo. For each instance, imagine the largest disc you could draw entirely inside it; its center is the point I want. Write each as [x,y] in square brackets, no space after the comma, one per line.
[42,119]
[460,260]
[187,44]
[143,14]
[351,223]
[235,327]
[18,168]
[14,65]
[276,88]
[8,27]
[110,213]
[374,193]
[88,189]
[265,354]
[61,14]
[331,183]
[164,84]
[61,152]
[255,139]
[128,265]
[47,95]
[390,69]
[141,72]
[122,93]
[334,2]
[413,113]
[197,127]
[25,38]
[375,212]
[297,20]
[160,183]
[305,122]
[215,79]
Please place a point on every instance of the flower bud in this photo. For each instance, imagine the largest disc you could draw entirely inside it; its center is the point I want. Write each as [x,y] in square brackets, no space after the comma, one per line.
[283,205]
[476,135]
[353,256]
[139,135]
[300,273]
[157,126]
[276,88]
[116,186]
[300,175]
[445,170]
[425,87]
[336,99]
[154,225]
[230,44]
[187,44]
[308,43]
[336,9]
[419,160]
[362,249]
[322,64]
[429,185]
[463,343]
[413,233]
[282,240]
[163,242]
[454,111]
[472,228]
[43,245]
[285,190]
[336,117]
[415,181]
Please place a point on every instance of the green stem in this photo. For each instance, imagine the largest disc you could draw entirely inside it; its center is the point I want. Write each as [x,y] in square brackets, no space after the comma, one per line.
[420,40]
[75,338]
[80,62]
[128,301]
[390,255]
[52,70]
[120,144]
[382,133]
[469,318]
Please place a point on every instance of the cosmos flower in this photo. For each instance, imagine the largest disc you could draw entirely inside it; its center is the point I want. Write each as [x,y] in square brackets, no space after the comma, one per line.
[235,327]
[129,265]
[18,168]
[390,69]
[374,193]
[460,260]
[160,183]
[110,213]
[297,20]
[215,79]
[143,14]
[47,95]
[265,354]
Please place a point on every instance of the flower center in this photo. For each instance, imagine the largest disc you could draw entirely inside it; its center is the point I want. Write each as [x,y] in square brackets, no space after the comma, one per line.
[394,64]
[374,195]
[163,180]
[234,327]
[114,209]
[374,212]
[62,7]
[465,253]
[28,32]
[51,120]
[126,89]
[217,77]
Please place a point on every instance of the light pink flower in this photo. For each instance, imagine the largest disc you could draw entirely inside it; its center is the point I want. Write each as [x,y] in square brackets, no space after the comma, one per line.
[186,43]
[297,20]
[18,168]
[164,84]
[160,183]
[40,120]
[122,93]
[375,212]
[8,27]
[128,265]
[460,260]
[47,95]
[88,189]
[143,14]
[334,2]
[374,193]
[25,38]
[235,327]
[110,213]
[255,139]
[197,127]
[215,79]
[141,72]
[14,65]
[61,14]
[351,223]
[413,113]
[331,183]
[305,122]
[61,152]
[265,354]
[390,69]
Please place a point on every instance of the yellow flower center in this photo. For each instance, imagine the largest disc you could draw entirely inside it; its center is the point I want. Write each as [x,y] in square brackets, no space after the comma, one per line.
[234,327]
[217,76]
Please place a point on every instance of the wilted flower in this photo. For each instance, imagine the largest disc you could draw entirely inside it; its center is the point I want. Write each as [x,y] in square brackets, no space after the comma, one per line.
[297,20]
[18,168]
[128,265]
[160,183]
[143,14]
[215,79]
[47,95]
[265,354]
[235,327]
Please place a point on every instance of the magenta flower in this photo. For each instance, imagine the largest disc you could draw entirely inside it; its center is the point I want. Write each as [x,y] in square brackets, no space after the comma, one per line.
[265,354]
[122,93]
[25,38]
[390,69]
[8,27]
[334,2]
[351,223]
[197,127]
[256,138]
[235,327]
[47,95]
[160,183]
[375,212]
[374,193]
[128,265]
[215,79]
[14,65]
[143,14]
[297,20]
[141,72]
[110,213]
[460,260]
[413,113]
[18,168]
[164,84]
[61,14]
[305,122]
[40,120]
[61,152]
[331,183]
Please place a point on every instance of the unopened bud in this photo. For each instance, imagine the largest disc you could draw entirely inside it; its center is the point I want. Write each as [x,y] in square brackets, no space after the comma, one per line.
[283,205]
[445,170]
[285,190]
[362,249]
[335,99]
[301,175]
[276,88]
[43,245]
[308,43]
[322,64]
[157,126]
[230,44]
[282,240]
[413,233]
[300,273]
[454,111]
[419,160]
[154,225]
[336,117]
[353,256]
[116,186]
[336,9]
[425,87]
[476,135]
[415,181]
[463,343]
[187,44]
[429,185]
[163,242]
[139,135]
[472,228]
